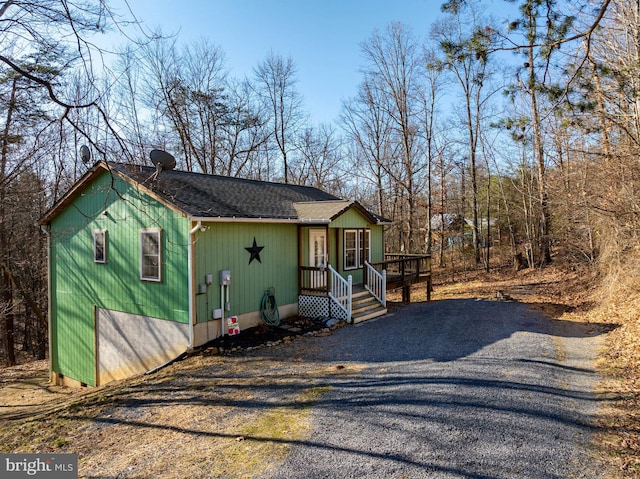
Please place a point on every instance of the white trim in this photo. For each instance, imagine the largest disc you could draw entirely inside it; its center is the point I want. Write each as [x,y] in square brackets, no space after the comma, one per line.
[295,221]
[358,247]
[318,278]
[233,219]
[104,246]
[154,279]
[367,233]
[191,280]
[344,249]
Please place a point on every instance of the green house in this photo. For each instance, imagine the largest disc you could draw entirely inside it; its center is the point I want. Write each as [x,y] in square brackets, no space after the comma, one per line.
[145,264]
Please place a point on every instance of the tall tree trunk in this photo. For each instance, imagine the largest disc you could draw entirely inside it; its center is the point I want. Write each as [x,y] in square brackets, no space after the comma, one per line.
[442,190]
[545,217]
[488,237]
[474,184]
[6,286]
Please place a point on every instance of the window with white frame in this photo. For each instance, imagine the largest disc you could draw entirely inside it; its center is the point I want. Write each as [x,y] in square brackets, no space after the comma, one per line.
[356,248]
[365,240]
[150,255]
[100,246]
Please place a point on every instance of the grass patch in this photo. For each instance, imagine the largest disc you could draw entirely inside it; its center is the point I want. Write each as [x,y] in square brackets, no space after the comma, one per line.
[264,442]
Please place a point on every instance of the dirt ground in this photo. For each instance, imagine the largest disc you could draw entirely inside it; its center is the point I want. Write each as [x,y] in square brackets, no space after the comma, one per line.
[25,391]
[162,425]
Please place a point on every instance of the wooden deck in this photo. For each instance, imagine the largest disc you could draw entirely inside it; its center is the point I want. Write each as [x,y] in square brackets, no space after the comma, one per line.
[403,270]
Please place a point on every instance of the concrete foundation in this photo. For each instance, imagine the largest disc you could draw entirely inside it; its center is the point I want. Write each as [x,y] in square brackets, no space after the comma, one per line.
[129,344]
[205,332]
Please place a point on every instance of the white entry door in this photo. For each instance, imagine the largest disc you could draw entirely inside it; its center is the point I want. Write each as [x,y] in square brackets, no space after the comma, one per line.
[318,256]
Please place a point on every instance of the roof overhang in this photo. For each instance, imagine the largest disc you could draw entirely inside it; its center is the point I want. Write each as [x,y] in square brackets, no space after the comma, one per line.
[235,219]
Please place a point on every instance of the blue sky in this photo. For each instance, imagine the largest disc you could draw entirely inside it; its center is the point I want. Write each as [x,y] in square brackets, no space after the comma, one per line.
[322,37]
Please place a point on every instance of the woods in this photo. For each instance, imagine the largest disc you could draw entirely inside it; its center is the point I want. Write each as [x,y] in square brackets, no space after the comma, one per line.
[487,141]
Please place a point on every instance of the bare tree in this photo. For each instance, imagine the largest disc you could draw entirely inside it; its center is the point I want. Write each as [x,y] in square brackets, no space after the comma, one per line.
[277,77]
[466,46]
[430,95]
[24,118]
[246,130]
[368,124]
[320,162]
[392,64]
[187,90]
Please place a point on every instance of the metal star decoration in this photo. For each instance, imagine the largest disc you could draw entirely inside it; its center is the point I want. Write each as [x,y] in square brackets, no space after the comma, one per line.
[255,251]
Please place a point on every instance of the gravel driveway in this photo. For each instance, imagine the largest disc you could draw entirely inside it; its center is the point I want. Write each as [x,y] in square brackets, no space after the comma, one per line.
[453,389]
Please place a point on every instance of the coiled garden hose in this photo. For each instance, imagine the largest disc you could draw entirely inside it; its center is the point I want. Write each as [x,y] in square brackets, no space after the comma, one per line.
[269,308]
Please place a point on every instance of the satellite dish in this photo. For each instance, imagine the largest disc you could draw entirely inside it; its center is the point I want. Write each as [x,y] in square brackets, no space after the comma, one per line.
[162,160]
[85,154]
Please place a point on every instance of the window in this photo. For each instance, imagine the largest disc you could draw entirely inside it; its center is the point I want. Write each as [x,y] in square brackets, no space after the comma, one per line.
[150,255]
[365,240]
[100,246]
[356,248]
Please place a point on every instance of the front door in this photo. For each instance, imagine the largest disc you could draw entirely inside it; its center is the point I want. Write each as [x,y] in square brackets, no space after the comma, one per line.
[318,257]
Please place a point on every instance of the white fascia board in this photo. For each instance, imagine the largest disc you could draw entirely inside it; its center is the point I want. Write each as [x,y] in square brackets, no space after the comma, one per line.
[231,219]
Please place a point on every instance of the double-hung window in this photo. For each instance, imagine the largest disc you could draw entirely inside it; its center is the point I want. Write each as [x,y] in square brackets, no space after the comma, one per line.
[100,246]
[150,255]
[356,248]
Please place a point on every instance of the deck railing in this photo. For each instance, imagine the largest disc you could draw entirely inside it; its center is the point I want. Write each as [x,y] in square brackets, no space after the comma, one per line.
[403,270]
[396,271]
[340,291]
[376,283]
[313,280]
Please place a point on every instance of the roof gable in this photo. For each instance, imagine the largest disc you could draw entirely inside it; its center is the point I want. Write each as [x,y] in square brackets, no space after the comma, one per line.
[327,211]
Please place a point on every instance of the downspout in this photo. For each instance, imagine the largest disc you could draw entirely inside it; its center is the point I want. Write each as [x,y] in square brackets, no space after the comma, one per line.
[192,295]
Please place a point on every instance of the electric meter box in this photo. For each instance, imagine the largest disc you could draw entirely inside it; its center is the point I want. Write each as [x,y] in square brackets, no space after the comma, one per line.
[225,277]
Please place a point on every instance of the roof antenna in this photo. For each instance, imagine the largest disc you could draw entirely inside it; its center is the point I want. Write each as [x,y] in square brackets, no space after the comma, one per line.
[162,160]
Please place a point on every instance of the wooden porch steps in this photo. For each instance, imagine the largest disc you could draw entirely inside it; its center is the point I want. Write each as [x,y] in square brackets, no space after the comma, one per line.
[365,306]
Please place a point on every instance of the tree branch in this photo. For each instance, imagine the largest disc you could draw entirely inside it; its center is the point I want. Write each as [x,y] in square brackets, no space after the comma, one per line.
[44,83]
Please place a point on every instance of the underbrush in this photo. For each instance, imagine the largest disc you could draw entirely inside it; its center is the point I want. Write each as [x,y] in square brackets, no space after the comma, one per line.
[618,302]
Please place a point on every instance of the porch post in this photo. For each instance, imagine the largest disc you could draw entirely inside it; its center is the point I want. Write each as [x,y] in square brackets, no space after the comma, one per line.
[384,288]
[349,292]
[299,259]
[328,242]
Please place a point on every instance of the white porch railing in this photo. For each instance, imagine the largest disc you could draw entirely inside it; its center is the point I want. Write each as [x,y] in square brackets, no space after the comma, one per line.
[376,283]
[340,291]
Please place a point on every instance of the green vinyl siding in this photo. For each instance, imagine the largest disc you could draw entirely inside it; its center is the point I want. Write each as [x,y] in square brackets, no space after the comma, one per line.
[78,284]
[377,243]
[222,247]
[350,219]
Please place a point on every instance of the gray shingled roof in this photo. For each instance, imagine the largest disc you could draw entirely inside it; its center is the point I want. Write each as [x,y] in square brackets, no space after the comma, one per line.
[203,197]
[211,196]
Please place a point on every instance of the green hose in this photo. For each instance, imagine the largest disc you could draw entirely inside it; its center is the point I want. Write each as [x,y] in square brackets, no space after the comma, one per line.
[269,308]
